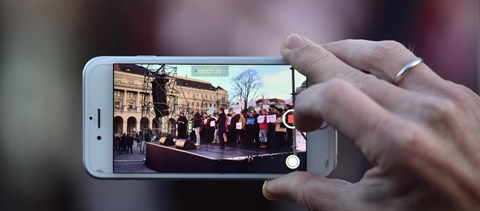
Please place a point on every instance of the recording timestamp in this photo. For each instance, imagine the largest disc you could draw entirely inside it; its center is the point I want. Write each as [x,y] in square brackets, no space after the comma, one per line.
[209,70]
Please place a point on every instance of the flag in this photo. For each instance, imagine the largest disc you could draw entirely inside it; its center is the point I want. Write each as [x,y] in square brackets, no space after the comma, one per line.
[263,102]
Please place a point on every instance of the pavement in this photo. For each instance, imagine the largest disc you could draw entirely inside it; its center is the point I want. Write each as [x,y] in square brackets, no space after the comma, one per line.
[130,162]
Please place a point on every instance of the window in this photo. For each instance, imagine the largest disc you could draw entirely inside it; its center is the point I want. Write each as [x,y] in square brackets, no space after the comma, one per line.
[117,104]
[130,95]
[117,94]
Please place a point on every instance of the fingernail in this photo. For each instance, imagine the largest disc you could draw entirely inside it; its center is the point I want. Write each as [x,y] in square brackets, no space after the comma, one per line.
[266,193]
[294,42]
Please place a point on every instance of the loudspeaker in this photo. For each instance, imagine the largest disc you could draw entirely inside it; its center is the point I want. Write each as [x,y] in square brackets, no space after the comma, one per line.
[160,97]
[185,144]
[167,141]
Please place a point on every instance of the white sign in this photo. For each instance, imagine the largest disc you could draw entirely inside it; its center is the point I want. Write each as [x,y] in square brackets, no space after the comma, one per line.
[272,118]
[238,125]
[261,119]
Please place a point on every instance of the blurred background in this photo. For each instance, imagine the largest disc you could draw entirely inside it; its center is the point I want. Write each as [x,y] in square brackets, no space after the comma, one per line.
[45,44]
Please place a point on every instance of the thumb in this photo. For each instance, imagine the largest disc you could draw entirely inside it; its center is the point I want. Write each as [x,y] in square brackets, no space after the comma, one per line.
[310,190]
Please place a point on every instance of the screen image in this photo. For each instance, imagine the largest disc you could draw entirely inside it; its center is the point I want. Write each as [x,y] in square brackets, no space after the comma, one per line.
[171,118]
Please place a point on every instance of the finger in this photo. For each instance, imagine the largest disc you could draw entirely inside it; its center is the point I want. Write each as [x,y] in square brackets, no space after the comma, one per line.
[310,190]
[376,131]
[385,59]
[319,65]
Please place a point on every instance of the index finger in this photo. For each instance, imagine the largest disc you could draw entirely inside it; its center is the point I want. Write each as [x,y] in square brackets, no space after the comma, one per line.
[319,65]
[384,59]
[377,132]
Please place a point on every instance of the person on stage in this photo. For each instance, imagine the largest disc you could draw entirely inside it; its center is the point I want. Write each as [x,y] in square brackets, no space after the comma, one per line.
[197,119]
[233,139]
[228,134]
[242,127]
[280,130]
[182,126]
[210,133]
[221,127]
[256,129]
[250,130]
[263,132]
[203,129]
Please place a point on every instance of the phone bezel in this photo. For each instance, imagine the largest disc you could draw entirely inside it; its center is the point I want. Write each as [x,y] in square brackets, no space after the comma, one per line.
[98,94]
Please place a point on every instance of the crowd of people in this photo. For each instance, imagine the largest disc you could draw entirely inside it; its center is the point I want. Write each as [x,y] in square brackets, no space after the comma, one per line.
[247,128]
[124,142]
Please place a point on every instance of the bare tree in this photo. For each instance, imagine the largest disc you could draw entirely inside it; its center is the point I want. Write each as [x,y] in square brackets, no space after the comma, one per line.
[246,85]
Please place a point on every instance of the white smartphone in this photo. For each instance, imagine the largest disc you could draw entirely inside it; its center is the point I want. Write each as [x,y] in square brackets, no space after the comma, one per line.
[197,118]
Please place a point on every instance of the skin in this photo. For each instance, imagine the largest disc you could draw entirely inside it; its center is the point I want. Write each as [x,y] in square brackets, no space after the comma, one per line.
[422,135]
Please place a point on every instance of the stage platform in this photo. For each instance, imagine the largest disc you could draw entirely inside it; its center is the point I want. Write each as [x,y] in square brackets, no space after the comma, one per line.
[211,159]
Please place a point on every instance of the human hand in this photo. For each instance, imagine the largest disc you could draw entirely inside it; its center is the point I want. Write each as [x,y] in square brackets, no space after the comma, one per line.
[422,135]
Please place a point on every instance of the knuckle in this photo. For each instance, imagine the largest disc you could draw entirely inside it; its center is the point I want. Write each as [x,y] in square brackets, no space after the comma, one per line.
[412,148]
[405,143]
[387,48]
[438,109]
[464,96]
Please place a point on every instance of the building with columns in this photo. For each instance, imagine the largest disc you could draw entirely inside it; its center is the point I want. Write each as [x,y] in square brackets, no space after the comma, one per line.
[131,95]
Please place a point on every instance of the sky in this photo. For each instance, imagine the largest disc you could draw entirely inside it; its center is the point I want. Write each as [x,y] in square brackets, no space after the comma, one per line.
[276,78]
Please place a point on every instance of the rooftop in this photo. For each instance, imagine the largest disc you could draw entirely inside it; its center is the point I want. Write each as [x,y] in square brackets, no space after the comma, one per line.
[181,81]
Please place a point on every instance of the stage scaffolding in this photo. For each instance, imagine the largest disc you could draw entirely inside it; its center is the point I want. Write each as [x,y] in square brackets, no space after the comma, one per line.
[165,125]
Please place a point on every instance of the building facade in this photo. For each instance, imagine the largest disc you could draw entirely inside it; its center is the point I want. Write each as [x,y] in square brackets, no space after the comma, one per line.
[132,95]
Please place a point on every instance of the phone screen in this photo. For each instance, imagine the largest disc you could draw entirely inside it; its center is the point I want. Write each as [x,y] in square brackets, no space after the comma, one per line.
[177,118]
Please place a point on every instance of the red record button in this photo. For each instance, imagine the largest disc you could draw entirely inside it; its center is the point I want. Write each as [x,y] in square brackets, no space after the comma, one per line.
[288,119]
